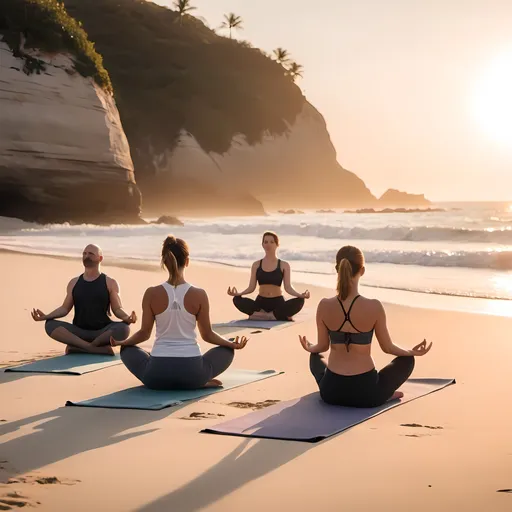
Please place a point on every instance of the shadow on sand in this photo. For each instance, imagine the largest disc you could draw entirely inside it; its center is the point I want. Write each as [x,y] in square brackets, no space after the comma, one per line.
[56,435]
[235,470]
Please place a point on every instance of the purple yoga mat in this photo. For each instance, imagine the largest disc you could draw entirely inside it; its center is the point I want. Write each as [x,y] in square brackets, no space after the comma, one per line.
[309,419]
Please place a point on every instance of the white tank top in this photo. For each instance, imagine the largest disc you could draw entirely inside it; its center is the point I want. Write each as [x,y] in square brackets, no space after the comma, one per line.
[176,327]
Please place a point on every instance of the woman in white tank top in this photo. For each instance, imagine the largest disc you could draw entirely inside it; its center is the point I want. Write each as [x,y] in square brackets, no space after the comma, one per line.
[177,308]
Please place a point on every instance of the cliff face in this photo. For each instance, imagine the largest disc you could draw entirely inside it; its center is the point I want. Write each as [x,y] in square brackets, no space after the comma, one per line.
[295,169]
[63,153]
[214,125]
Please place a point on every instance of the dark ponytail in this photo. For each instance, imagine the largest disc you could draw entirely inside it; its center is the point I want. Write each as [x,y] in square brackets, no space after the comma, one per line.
[349,261]
[174,255]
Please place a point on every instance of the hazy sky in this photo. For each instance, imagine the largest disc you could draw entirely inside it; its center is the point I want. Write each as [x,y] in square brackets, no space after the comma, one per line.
[416,93]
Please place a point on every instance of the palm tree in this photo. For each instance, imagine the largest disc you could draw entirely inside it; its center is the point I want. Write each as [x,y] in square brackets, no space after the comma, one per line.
[295,70]
[183,7]
[281,55]
[231,21]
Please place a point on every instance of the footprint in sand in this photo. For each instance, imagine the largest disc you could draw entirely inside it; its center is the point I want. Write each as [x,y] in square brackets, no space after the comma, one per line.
[251,405]
[48,480]
[15,500]
[417,425]
[201,416]
[41,480]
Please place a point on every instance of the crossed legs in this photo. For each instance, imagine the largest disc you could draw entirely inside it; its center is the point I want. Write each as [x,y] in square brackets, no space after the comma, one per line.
[82,340]
[275,308]
[381,389]
[177,372]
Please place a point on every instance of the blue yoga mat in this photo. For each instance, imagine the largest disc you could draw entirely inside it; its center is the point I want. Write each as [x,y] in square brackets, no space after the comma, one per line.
[310,419]
[71,364]
[141,397]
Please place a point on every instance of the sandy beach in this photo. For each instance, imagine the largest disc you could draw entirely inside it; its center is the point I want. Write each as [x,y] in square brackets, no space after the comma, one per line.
[127,460]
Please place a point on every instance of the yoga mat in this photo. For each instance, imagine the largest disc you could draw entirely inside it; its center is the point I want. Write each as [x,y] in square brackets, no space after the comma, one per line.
[310,419]
[141,397]
[71,364]
[267,324]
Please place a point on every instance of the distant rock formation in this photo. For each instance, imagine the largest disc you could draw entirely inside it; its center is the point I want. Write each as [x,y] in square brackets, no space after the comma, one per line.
[397,198]
[289,212]
[170,221]
[63,153]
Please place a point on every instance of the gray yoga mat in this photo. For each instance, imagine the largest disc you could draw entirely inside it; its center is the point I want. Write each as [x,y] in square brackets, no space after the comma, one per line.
[141,397]
[310,419]
[267,324]
[71,364]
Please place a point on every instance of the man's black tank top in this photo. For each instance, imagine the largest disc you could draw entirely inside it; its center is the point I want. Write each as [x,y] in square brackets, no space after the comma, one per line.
[92,303]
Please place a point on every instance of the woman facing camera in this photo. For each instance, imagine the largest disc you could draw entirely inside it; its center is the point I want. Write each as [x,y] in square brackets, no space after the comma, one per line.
[176,306]
[346,324]
[269,273]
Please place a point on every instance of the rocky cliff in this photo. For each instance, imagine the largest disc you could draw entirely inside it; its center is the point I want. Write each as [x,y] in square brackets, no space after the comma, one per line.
[214,125]
[295,169]
[63,152]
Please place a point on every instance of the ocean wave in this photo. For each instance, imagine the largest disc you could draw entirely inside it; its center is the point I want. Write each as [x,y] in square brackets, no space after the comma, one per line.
[430,291]
[501,234]
[496,260]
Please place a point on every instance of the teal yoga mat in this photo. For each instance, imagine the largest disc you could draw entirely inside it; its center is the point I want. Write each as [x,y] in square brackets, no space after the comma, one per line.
[71,364]
[309,419]
[141,397]
[267,324]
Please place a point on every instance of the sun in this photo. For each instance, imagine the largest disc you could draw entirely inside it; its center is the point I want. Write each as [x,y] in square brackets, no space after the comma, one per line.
[492,99]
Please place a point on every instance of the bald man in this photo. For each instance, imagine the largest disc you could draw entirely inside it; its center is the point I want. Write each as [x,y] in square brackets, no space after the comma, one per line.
[92,294]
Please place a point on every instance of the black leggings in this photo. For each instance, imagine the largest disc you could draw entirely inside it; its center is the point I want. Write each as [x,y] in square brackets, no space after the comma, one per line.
[282,309]
[176,372]
[369,389]
[119,330]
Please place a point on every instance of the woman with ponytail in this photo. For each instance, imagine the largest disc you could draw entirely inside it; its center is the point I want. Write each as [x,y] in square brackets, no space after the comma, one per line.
[176,362]
[345,324]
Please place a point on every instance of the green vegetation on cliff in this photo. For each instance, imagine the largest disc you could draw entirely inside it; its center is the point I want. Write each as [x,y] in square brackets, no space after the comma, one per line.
[45,25]
[172,73]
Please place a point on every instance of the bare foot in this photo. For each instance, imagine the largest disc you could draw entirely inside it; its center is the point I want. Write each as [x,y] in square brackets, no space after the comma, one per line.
[74,350]
[214,383]
[105,350]
[396,395]
[259,315]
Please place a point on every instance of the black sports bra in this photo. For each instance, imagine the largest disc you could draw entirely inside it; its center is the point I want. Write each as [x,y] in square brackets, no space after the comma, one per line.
[274,277]
[357,338]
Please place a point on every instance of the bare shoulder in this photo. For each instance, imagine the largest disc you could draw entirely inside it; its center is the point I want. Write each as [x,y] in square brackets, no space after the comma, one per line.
[285,264]
[111,283]
[72,282]
[197,293]
[327,303]
[154,295]
[373,304]
[152,290]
